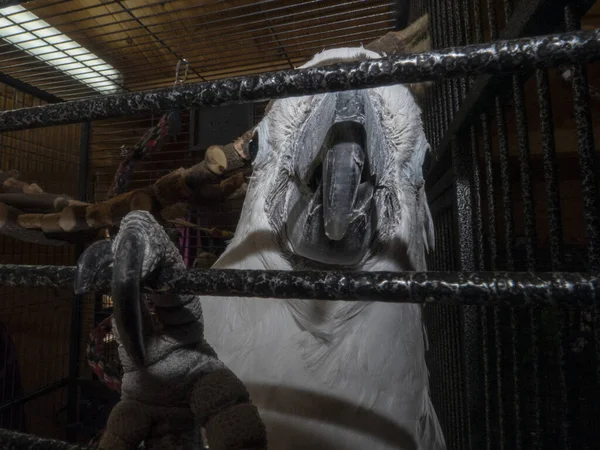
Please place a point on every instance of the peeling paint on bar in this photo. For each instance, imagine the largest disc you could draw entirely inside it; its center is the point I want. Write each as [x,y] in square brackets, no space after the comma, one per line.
[490,58]
[458,288]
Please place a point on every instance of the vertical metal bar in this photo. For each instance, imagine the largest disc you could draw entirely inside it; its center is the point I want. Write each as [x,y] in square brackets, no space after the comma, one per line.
[447,37]
[506,185]
[507,11]
[516,379]
[477,200]
[438,41]
[469,323]
[587,154]
[589,180]
[483,312]
[525,165]
[491,7]
[530,237]
[466,14]
[459,20]
[562,316]
[499,377]
[454,24]
[550,170]
[489,182]
[402,10]
[76,308]
[464,206]
[477,19]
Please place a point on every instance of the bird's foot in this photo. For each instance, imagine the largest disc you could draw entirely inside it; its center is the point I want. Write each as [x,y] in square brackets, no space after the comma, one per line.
[138,251]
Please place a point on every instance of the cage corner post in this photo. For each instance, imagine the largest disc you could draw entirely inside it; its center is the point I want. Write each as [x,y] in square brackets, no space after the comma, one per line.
[76,308]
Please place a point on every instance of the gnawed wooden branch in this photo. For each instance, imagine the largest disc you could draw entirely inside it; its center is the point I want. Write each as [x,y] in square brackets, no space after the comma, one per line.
[10,183]
[9,226]
[403,41]
[42,202]
[221,174]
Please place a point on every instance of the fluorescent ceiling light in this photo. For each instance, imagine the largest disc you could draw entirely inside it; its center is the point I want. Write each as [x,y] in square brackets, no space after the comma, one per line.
[31,34]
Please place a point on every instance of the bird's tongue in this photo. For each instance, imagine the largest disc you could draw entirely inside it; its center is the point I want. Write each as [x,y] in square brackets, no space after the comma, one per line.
[342,169]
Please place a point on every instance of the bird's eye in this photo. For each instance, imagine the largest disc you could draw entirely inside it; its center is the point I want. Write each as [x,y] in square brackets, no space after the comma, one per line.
[253,146]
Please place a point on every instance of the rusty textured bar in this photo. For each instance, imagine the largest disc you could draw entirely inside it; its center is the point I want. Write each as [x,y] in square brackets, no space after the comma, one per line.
[530,244]
[506,184]
[497,334]
[468,36]
[20,441]
[562,347]
[536,431]
[507,9]
[587,153]
[458,363]
[502,143]
[477,188]
[457,288]
[491,58]
[478,21]
[463,205]
[516,382]
[483,311]
[591,200]
[461,12]
[525,170]
[550,169]
[447,42]
[467,330]
[456,40]
[492,21]
[440,86]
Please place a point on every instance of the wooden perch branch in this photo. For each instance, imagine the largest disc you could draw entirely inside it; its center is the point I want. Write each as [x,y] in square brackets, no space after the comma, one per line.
[408,40]
[47,218]
[42,202]
[9,183]
[9,226]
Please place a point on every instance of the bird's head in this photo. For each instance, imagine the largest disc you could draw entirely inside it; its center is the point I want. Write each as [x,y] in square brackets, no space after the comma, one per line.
[338,177]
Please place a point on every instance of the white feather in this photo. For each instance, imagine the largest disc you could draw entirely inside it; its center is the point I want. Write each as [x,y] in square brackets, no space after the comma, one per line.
[336,375]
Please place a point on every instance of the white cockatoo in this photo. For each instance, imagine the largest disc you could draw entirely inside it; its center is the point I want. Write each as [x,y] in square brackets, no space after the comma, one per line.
[337,184]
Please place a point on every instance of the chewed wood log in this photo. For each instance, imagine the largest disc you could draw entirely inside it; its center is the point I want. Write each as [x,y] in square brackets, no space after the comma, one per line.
[12,185]
[220,159]
[42,202]
[403,41]
[110,212]
[9,226]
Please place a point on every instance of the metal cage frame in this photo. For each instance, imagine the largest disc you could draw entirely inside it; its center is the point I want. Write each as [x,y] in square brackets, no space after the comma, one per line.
[462,279]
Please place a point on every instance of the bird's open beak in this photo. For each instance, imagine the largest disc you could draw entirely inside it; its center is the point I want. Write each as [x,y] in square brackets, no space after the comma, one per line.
[332,215]
[343,165]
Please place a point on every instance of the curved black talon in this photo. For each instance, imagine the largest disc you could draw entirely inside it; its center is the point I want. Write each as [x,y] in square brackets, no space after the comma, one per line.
[93,261]
[126,281]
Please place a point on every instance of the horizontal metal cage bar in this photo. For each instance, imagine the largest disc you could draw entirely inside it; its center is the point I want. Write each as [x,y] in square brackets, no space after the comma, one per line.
[490,58]
[484,288]
[16,440]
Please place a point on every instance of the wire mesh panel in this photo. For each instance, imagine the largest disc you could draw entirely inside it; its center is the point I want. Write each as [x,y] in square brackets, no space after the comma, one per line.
[515,156]
[144,39]
[34,323]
